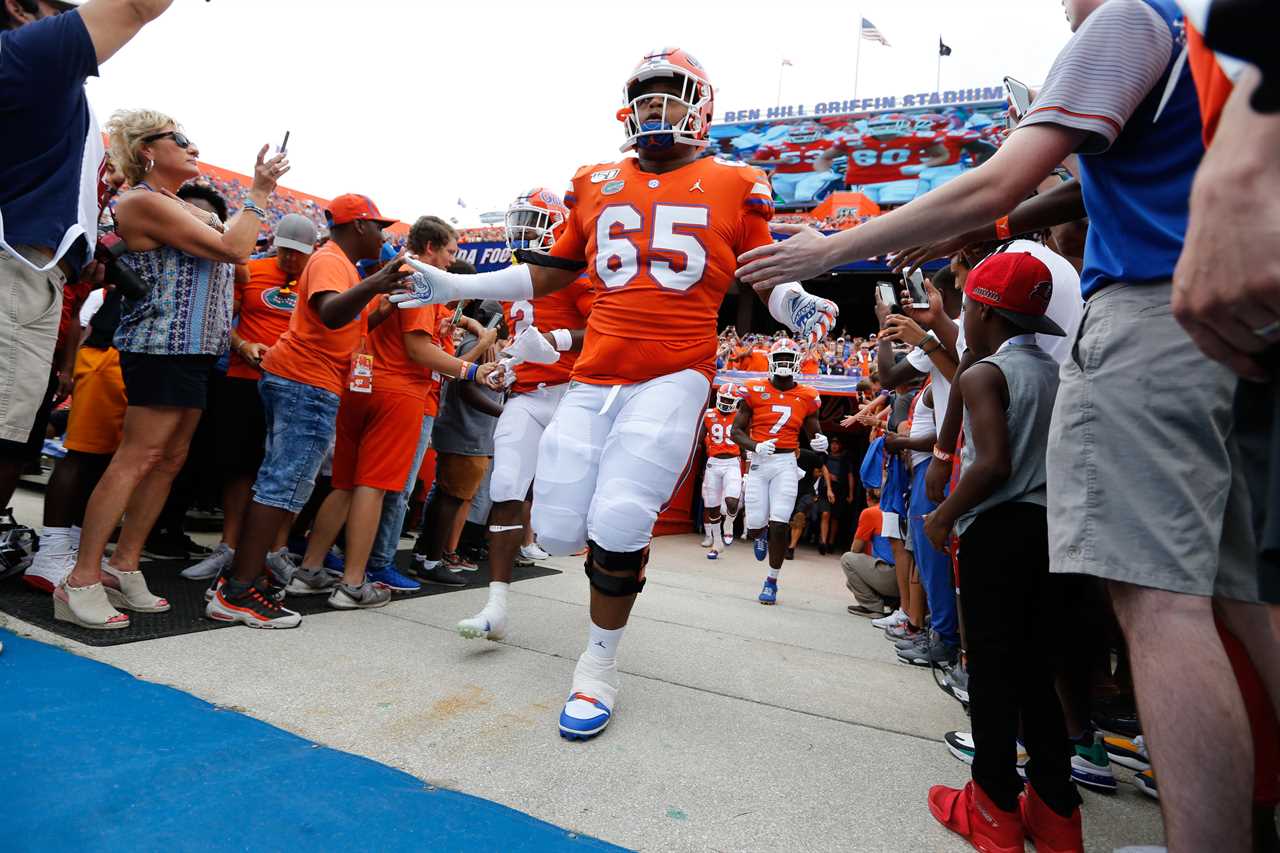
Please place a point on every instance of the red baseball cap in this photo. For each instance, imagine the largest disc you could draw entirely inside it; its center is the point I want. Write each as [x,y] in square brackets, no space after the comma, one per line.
[1019,286]
[352,206]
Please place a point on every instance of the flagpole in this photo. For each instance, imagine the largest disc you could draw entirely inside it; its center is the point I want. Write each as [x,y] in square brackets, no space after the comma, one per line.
[857,59]
[937,85]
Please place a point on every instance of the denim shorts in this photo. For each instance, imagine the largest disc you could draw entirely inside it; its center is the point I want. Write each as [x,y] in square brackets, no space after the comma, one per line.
[301,420]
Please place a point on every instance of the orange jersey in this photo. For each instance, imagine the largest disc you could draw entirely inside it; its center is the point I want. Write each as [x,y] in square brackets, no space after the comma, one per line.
[716,428]
[661,251]
[564,309]
[780,414]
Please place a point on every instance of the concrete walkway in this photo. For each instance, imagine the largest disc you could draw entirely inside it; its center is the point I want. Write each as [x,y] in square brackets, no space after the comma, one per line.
[739,727]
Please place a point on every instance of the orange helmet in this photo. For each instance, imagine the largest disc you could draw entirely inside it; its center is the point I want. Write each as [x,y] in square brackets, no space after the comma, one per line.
[534,221]
[695,93]
[784,357]
[728,396]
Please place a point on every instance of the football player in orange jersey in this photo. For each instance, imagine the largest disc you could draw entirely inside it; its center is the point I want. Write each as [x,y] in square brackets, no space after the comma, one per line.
[657,234]
[768,426]
[537,368]
[722,480]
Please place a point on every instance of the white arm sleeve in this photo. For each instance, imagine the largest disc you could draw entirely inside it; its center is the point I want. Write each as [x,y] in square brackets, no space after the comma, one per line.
[435,286]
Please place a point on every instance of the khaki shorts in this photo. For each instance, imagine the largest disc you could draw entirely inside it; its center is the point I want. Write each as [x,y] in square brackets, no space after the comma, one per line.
[1145,482]
[30,309]
[460,476]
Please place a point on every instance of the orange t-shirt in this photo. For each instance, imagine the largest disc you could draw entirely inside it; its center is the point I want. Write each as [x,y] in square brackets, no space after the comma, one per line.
[780,414]
[755,361]
[809,364]
[716,428]
[309,351]
[661,251]
[393,370]
[441,336]
[870,522]
[564,309]
[267,301]
[1213,86]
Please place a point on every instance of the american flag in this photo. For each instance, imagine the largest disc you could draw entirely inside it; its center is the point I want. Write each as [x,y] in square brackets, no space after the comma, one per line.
[869,31]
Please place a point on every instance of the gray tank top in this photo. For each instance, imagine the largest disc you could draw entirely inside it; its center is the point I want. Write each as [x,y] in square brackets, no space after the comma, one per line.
[1032,377]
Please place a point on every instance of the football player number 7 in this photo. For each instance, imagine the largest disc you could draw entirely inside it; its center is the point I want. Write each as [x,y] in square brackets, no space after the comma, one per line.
[618,257]
[784,415]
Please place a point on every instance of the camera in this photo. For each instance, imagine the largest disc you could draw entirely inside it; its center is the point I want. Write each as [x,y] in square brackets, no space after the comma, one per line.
[108,252]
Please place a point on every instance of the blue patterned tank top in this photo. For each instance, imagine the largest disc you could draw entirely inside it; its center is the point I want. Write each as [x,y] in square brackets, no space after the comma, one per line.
[187,310]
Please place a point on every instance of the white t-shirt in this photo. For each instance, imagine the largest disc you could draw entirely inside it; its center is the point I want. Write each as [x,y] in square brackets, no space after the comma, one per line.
[920,360]
[92,303]
[921,424]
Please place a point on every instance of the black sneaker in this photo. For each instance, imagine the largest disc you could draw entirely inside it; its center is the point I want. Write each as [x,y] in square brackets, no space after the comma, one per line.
[171,546]
[251,608]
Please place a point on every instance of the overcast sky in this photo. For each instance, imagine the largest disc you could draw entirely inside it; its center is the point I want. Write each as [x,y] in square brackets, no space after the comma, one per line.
[421,104]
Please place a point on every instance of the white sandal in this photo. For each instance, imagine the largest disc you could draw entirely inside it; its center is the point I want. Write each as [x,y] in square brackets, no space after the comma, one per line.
[128,591]
[87,606]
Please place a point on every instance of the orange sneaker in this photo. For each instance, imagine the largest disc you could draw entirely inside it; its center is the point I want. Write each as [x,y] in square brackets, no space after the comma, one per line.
[969,813]
[1048,830]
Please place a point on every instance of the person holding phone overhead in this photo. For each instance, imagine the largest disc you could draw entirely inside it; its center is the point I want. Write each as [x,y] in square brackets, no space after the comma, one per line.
[169,338]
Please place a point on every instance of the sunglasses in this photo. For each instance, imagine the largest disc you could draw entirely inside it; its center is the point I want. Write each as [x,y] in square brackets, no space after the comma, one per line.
[179,138]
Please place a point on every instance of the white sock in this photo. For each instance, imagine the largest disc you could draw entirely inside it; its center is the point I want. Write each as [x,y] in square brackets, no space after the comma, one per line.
[497,596]
[57,540]
[773,573]
[602,643]
[429,564]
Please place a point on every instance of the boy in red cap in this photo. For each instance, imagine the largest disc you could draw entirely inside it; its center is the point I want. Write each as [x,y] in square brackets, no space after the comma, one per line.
[1011,618]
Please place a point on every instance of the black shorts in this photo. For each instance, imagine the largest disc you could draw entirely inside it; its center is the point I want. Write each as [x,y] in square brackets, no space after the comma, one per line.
[240,425]
[166,380]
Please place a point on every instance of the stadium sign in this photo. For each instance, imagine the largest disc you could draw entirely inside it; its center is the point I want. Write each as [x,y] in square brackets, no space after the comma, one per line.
[911,100]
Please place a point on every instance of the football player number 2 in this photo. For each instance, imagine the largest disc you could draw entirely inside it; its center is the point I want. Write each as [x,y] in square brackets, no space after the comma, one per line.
[618,257]
[784,415]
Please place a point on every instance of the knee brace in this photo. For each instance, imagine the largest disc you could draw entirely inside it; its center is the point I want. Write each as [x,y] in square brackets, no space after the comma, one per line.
[715,519]
[631,562]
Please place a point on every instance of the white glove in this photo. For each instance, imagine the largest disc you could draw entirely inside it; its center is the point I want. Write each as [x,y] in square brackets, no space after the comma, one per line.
[431,286]
[819,443]
[810,317]
[766,448]
[504,376]
[530,346]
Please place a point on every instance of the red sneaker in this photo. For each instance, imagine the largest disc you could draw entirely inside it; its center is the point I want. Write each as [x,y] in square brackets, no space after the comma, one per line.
[969,813]
[1048,830]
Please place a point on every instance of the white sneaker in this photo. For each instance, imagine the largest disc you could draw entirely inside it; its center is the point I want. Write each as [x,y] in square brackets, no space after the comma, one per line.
[728,538]
[591,700]
[897,617]
[706,540]
[488,624]
[210,566]
[534,552]
[49,568]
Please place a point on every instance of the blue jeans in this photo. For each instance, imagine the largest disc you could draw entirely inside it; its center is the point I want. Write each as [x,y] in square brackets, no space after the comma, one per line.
[301,420]
[934,565]
[395,504]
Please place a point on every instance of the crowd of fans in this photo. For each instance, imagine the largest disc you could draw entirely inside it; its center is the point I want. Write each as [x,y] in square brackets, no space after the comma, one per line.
[1040,499]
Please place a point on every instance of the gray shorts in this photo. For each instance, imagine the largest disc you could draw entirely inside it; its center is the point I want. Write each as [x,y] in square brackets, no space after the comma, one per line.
[30,309]
[1145,482]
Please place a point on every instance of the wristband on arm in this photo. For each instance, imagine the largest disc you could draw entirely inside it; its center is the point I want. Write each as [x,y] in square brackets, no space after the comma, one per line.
[563,339]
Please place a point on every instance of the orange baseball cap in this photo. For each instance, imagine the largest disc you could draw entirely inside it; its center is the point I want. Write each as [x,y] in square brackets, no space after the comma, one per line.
[352,206]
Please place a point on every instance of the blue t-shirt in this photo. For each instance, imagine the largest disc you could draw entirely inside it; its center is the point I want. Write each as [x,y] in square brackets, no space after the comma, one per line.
[45,116]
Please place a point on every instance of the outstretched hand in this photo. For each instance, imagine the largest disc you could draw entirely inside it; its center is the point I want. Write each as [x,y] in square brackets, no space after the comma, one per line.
[801,256]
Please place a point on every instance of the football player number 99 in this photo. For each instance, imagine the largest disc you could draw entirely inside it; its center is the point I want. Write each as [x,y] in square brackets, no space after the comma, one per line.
[618,257]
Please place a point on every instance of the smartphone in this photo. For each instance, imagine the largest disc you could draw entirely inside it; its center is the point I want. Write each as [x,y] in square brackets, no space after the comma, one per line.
[284,145]
[888,296]
[1019,96]
[457,312]
[915,288]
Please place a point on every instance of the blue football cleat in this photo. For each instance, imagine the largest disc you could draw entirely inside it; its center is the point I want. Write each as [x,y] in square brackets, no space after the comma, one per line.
[769,592]
[583,717]
[762,546]
[713,554]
